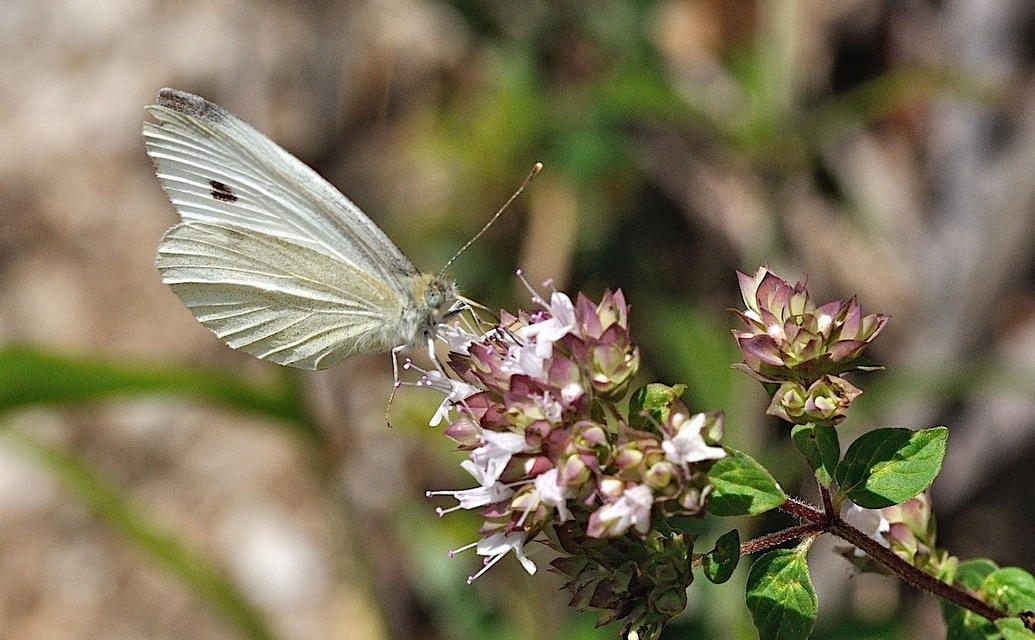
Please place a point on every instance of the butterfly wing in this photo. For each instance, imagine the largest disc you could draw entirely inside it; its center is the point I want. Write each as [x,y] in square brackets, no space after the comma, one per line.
[275,299]
[250,211]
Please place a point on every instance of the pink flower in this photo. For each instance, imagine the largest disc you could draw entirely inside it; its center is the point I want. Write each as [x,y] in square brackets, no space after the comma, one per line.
[630,510]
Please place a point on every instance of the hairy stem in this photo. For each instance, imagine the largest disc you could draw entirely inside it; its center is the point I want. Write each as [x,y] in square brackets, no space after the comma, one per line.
[830,522]
[771,540]
[803,511]
[911,574]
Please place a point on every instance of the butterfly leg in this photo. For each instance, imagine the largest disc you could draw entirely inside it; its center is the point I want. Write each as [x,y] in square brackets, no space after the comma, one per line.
[433,356]
[396,382]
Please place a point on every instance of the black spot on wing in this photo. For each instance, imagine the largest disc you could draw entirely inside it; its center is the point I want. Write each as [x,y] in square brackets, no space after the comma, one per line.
[190,105]
[222,192]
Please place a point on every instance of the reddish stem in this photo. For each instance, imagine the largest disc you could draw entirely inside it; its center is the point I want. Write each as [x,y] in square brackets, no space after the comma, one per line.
[828,505]
[771,540]
[779,537]
[803,510]
[911,574]
[830,522]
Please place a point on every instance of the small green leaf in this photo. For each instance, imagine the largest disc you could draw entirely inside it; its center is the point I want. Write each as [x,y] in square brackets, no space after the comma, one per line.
[821,449]
[1013,629]
[719,563]
[742,487]
[780,595]
[972,573]
[960,623]
[1011,589]
[654,401]
[889,466]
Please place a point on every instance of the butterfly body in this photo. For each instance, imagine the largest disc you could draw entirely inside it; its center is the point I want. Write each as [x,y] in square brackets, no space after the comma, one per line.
[270,256]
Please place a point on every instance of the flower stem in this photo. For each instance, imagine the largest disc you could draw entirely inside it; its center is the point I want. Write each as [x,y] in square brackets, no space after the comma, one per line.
[912,575]
[771,540]
[830,522]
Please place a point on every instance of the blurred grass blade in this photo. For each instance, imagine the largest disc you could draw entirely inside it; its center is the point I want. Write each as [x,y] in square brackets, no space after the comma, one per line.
[698,351]
[30,377]
[896,89]
[114,507]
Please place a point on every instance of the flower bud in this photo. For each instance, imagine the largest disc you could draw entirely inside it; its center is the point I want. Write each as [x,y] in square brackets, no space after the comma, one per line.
[825,402]
[659,475]
[788,338]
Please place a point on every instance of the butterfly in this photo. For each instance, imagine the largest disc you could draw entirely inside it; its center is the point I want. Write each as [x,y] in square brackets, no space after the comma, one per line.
[271,257]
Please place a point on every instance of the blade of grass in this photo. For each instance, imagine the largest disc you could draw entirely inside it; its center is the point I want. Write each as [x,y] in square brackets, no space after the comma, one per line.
[111,504]
[32,377]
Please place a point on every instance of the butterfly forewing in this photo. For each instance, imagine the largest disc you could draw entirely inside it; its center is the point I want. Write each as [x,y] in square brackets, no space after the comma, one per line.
[269,255]
[216,168]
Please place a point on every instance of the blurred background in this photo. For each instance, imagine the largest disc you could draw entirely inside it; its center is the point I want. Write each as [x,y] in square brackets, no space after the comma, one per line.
[155,484]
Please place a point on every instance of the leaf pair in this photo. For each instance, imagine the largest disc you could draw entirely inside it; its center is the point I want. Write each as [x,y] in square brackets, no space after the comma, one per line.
[1010,589]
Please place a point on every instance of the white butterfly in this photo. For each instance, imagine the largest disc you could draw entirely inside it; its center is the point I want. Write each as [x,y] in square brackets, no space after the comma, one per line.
[270,256]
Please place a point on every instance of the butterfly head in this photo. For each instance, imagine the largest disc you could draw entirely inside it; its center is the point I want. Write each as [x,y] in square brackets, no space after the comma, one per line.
[436,295]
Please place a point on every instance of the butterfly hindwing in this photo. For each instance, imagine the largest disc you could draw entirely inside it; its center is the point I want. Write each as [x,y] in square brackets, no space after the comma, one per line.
[274,299]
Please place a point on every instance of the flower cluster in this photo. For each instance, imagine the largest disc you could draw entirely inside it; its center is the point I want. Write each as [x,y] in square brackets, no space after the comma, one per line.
[534,402]
[805,349]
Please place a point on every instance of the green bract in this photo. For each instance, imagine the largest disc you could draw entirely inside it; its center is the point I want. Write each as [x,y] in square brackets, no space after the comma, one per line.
[654,401]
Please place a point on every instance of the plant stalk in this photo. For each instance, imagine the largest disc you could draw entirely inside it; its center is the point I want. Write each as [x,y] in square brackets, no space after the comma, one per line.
[832,523]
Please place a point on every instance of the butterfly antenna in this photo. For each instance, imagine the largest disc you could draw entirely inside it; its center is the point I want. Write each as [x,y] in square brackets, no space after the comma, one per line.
[536,168]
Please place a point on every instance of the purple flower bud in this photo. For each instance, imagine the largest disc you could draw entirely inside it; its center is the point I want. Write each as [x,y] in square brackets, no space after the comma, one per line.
[788,338]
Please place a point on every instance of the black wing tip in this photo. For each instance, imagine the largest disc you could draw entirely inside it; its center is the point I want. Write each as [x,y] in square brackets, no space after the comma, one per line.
[189,104]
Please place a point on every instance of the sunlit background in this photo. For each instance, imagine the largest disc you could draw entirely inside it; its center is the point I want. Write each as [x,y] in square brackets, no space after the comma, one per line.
[155,484]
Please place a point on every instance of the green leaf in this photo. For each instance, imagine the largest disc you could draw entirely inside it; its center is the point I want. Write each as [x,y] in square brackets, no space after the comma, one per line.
[116,509]
[1013,629]
[820,446]
[741,486]
[962,624]
[1011,589]
[972,573]
[32,377]
[720,562]
[889,466]
[654,402]
[780,595]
